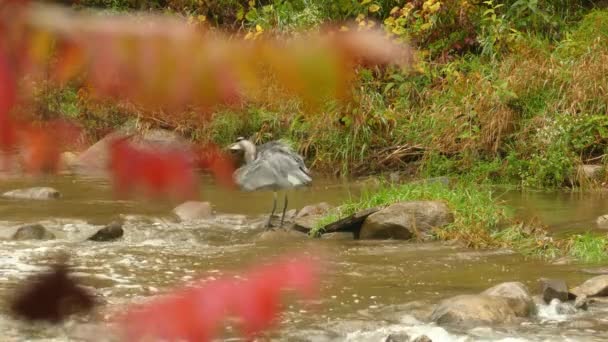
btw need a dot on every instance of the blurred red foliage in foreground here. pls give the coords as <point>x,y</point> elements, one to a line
<point>198,312</point>
<point>154,173</point>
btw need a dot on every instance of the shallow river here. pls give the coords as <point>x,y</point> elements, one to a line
<point>374,288</point>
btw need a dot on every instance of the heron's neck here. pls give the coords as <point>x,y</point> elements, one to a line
<point>249,149</point>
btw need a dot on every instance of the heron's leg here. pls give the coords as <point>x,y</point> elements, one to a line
<point>284,208</point>
<point>274,207</point>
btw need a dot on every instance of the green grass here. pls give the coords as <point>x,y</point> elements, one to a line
<point>477,211</point>
<point>588,247</point>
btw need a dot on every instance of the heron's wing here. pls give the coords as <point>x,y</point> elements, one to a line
<point>289,166</point>
<point>257,175</point>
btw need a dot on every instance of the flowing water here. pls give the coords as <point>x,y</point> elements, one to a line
<point>372,288</point>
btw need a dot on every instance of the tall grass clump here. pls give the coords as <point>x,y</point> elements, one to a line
<point>477,210</point>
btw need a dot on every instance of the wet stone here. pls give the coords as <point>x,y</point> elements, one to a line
<point>33,232</point>
<point>422,338</point>
<point>397,338</point>
<point>193,210</point>
<point>110,232</point>
<point>553,288</point>
<point>36,193</point>
<point>594,287</point>
<point>581,302</point>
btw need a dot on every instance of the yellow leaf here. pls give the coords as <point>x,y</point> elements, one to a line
<point>365,2</point>
<point>344,28</point>
<point>202,18</point>
<point>394,10</point>
<point>251,3</point>
<point>249,35</point>
<point>259,28</point>
<point>374,8</point>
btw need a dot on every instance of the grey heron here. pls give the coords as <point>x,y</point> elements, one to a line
<point>271,166</point>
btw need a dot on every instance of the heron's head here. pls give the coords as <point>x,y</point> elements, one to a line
<point>238,145</point>
<point>246,146</point>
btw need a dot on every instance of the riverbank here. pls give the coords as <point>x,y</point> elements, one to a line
<point>529,112</point>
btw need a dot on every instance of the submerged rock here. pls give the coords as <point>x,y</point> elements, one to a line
<point>33,232</point>
<point>479,309</point>
<point>594,287</point>
<point>338,236</point>
<point>193,210</point>
<point>553,288</point>
<point>36,193</point>
<point>405,220</point>
<point>563,308</point>
<point>110,232</point>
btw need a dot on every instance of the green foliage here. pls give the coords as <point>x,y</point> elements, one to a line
<point>588,247</point>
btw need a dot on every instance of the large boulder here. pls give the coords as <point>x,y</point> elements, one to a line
<point>594,287</point>
<point>478,309</point>
<point>405,220</point>
<point>94,160</point>
<point>514,290</point>
<point>193,210</point>
<point>33,232</point>
<point>36,193</point>
<point>553,288</point>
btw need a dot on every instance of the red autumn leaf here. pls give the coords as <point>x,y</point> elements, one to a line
<point>40,151</point>
<point>221,165</point>
<point>8,136</point>
<point>154,173</point>
<point>196,314</point>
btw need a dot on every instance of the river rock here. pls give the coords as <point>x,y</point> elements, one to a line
<point>405,220</point>
<point>479,309</point>
<point>110,232</point>
<point>314,209</point>
<point>422,338</point>
<point>193,210</point>
<point>94,160</point>
<point>402,337</point>
<point>594,287</point>
<point>514,290</point>
<point>68,159</point>
<point>602,221</point>
<point>281,234</point>
<point>581,302</point>
<point>590,171</point>
<point>33,232</point>
<point>36,193</point>
<point>553,288</point>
